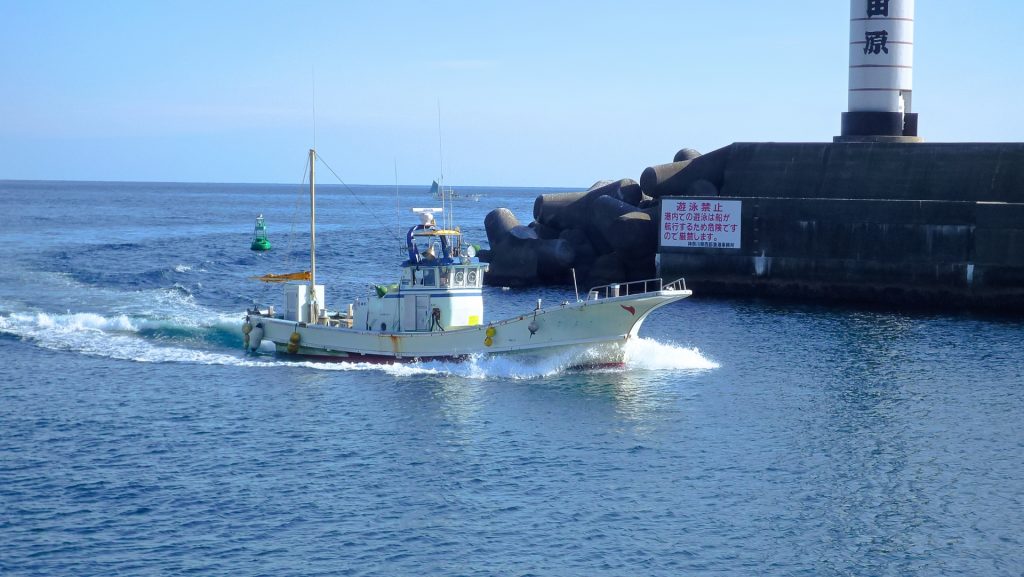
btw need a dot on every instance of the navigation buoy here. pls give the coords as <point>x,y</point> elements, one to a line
<point>260,242</point>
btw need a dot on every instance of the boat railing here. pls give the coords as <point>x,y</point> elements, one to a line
<point>634,288</point>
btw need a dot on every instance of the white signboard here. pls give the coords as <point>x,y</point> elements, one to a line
<point>701,223</point>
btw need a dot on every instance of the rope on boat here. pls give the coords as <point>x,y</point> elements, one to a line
<point>264,293</point>
<point>356,197</point>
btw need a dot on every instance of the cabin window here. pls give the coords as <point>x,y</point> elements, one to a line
<point>460,278</point>
<point>429,277</point>
<point>471,278</point>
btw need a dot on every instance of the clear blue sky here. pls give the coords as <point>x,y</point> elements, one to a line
<point>545,93</point>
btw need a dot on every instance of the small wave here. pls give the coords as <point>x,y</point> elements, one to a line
<point>182,268</point>
<point>129,246</point>
<point>117,336</point>
<point>71,322</point>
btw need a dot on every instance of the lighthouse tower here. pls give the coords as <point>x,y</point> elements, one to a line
<point>881,72</point>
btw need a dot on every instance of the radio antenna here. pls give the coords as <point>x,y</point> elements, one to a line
<point>313,71</point>
<point>440,188</point>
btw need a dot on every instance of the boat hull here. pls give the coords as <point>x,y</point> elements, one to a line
<point>588,333</point>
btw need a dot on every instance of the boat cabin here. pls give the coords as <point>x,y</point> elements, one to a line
<point>440,287</point>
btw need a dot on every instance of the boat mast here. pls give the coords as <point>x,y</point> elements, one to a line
<point>440,157</point>
<point>313,314</point>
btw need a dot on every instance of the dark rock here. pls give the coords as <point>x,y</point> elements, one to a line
<point>685,154</point>
<point>634,234</point>
<point>498,224</point>
<point>513,264</point>
<point>554,259</point>
<point>657,180</point>
<point>571,209</point>
<point>629,192</point>
<point>545,232</point>
<point>551,209</point>
<point>603,212</point>
<point>608,268</point>
<point>674,180</point>
<point>522,233</point>
<point>582,247</point>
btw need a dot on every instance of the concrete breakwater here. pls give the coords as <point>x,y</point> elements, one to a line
<point>936,224</point>
<point>605,234</point>
<point>895,223</point>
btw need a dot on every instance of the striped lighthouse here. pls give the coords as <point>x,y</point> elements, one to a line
<point>881,72</point>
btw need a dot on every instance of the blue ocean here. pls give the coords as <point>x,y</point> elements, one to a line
<point>742,437</point>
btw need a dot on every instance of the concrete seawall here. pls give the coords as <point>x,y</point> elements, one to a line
<point>924,224</point>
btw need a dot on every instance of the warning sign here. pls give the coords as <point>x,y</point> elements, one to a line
<point>696,223</point>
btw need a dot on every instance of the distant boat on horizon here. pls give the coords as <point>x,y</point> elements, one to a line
<point>449,193</point>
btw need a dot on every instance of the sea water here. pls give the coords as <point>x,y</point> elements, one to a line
<point>741,438</point>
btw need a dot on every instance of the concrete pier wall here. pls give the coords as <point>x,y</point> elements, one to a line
<point>922,224</point>
<point>895,171</point>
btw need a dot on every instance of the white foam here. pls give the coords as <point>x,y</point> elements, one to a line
<point>652,355</point>
<point>75,322</point>
<point>484,366</point>
<point>172,303</point>
<point>641,354</point>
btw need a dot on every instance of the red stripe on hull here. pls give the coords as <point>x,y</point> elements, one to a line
<point>373,359</point>
<point>387,360</point>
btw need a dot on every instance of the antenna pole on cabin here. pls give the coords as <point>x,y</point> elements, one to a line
<point>313,314</point>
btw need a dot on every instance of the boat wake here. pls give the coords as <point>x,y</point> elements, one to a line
<point>653,355</point>
<point>121,336</point>
<point>146,340</point>
<point>167,325</point>
<point>207,337</point>
<point>642,354</point>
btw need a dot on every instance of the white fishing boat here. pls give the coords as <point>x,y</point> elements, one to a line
<point>436,311</point>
